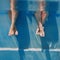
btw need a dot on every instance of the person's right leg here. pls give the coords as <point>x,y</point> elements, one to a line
<point>12,17</point>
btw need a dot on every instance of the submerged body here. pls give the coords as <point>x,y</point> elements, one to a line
<point>43,14</point>
<point>12,14</point>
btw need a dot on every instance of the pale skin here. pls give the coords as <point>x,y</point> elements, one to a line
<point>43,14</point>
<point>40,29</point>
<point>12,15</point>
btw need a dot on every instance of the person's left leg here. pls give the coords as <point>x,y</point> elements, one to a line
<point>43,14</point>
<point>40,29</point>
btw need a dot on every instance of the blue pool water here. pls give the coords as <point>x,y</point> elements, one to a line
<point>26,25</point>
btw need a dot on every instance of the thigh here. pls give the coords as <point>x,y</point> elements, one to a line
<point>12,4</point>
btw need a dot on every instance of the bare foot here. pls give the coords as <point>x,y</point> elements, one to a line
<point>16,32</point>
<point>40,31</point>
<point>13,31</point>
